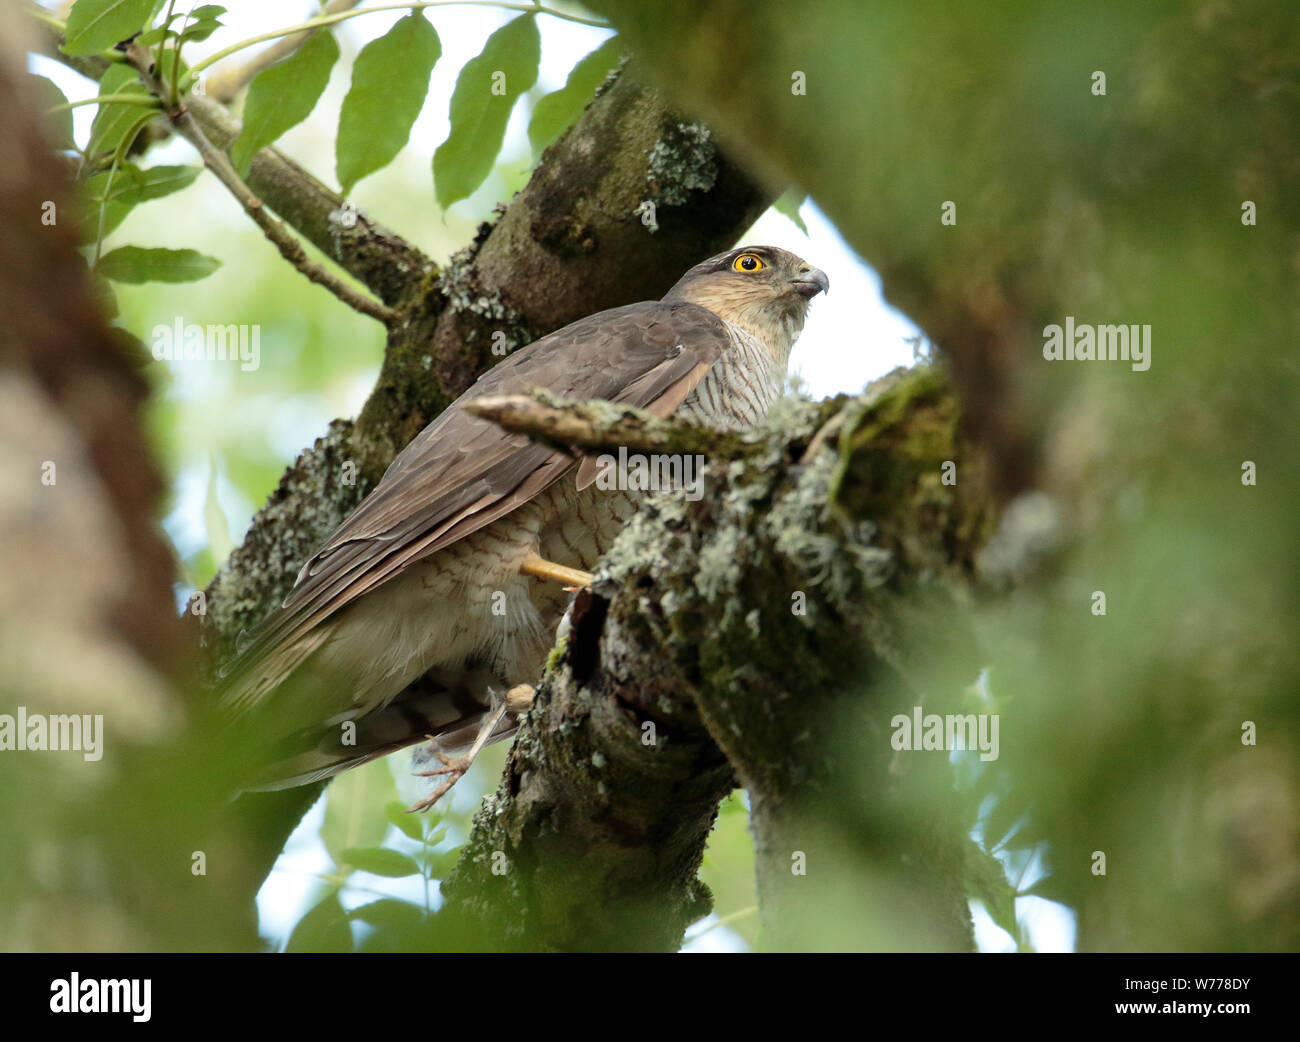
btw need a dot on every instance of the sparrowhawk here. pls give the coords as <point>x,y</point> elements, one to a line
<point>454,569</point>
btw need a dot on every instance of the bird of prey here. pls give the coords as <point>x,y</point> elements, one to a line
<point>456,569</point>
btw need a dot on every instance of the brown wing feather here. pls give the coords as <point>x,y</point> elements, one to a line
<point>462,472</point>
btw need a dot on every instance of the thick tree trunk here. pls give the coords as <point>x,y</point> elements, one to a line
<point>88,628</point>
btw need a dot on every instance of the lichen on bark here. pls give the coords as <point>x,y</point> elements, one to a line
<point>739,630</point>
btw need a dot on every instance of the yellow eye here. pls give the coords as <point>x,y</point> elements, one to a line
<point>748,262</point>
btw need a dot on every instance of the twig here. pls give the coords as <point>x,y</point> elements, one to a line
<point>600,425</point>
<point>369,252</point>
<point>288,245</point>
<point>139,100</point>
<point>726,920</point>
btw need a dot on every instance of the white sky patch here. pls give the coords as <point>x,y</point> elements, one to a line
<point>708,937</point>
<point>852,334</point>
<point>291,888</point>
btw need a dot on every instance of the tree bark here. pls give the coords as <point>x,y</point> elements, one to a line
<point>725,644</point>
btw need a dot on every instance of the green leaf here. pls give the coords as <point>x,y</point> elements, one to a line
<point>283,96</point>
<point>202,23</point>
<point>94,25</point>
<point>556,112</point>
<point>789,205</point>
<point>130,186</point>
<point>196,32</point>
<point>390,80</point>
<point>138,185</point>
<point>354,809</point>
<point>113,122</point>
<point>59,124</point>
<point>442,864</point>
<point>324,929</point>
<point>389,911</point>
<point>136,264</point>
<point>396,813</point>
<point>380,861</point>
<point>508,65</point>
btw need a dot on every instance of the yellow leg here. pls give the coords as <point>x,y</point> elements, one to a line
<point>517,700</point>
<point>540,568</point>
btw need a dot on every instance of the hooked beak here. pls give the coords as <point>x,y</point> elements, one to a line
<point>811,282</point>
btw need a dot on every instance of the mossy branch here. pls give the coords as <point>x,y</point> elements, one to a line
<point>597,426</point>
<point>688,634</point>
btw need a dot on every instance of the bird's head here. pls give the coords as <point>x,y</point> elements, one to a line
<point>763,289</point>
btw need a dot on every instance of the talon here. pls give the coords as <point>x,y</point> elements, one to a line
<point>518,699</point>
<point>437,794</point>
<point>457,766</point>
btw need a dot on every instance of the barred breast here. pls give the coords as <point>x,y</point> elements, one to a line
<point>740,387</point>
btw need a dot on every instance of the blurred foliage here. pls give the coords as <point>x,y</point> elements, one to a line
<point>1116,163</point>
<point>728,871</point>
<point>381,891</point>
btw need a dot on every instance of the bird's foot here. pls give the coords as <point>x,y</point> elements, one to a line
<point>540,568</point>
<point>455,771</point>
<point>517,700</point>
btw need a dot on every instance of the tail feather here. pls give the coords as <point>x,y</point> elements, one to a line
<point>244,685</point>
<point>440,714</point>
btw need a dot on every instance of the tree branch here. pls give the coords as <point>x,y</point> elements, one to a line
<point>685,662</point>
<point>371,253</point>
<point>215,160</point>
<point>595,426</point>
